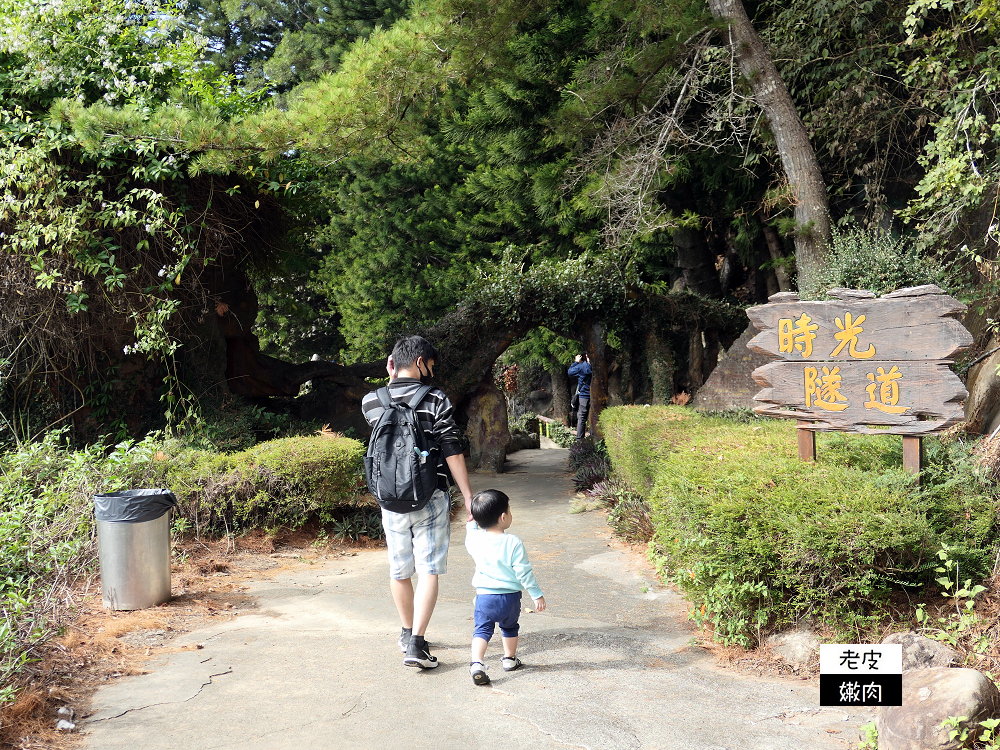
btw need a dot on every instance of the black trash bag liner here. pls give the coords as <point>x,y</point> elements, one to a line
<point>133,506</point>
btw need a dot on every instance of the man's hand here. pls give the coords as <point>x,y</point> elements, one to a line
<point>540,604</point>
<point>579,358</point>
<point>390,367</point>
<point>468,508</point>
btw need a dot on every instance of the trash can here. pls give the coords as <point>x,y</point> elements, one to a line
<point>133,542</point>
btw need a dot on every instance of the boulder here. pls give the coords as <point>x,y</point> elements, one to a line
<point>731,384</point>
<point>982,407</point>
<point>796,646</point>
<point>930,696</point>
<point>487,429</point>
<point>539,401</point>
<point>920,652</point>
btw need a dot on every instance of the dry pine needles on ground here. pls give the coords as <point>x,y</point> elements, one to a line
<point>96,645</point>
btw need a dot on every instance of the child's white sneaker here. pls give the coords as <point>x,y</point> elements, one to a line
<point>510,663</point>
<point>478,671</point>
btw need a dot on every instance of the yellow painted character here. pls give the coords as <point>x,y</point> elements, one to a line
<point>797,335</point>
<point>849,332</point>
<point>824,389</point>
<point>888,387</point>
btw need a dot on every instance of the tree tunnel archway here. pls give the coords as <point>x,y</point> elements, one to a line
<point>583,302</point>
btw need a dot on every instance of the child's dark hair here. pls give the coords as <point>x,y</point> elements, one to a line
<point>406,351</point>
<point>488,506</point>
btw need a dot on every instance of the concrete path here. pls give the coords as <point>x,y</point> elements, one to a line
<point>610,665</point>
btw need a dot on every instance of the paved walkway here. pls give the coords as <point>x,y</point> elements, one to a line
<point>610,662</point>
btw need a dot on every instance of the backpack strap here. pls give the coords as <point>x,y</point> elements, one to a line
<point>419,396</point>
<point>384,398</point>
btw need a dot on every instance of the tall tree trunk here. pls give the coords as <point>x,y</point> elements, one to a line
<point>696,360</point>
<point>560,393</point>
<point>775,250</point>
<point>812,210</point>
<point>597,351</point>
<point>696,261</point>
<point>660,366</point>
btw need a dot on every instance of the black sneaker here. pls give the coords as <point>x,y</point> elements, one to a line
<point>478,671</point>
<point>417,654</point>
<point>404,639</point>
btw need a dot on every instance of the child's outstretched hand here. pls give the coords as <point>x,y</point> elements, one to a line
<point>540,604</point>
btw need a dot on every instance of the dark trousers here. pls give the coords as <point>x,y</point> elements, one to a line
<point>581,417</point>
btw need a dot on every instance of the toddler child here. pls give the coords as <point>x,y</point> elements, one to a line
<point>502,572</point>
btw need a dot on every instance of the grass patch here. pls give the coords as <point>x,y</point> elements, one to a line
<point>758,539</point>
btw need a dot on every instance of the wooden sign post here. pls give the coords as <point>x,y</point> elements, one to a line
<point>861,363</point>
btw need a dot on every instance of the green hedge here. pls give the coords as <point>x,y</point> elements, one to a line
<point>757,538</point>
<point>277,483</point>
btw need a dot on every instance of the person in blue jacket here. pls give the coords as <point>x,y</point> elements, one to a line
<point>580,369</point>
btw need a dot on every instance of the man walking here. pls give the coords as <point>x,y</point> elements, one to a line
<point>418,542</point>
<point>581,370</point>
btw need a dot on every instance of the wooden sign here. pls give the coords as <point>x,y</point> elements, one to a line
<point>860,363</point>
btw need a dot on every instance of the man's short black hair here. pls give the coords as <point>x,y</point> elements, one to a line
<point>406,351</point>
<point>488,506</point>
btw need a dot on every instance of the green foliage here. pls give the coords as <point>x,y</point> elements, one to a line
<point>841,64</point>
<point>396,258</point>
<point>559,291</point>
<point>956,625</point>
<point>46,535</point>
<point>870,741</point>
<point>527,422</point>
<point>281,482</point>
<point>989,737</point>
<point>560,434</point>
<point>956,57</point>
<point>231,424</point>
<point>873,260</point>
<point>118,51</point>
<point>276,44</point>
<point>46,516</point>
<point>102,248</point>
<point>543,347</point>
<point>756,538</point>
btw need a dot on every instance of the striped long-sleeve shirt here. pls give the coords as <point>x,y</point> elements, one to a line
<point>436,415</point>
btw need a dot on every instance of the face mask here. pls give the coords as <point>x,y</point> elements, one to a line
<point>425,377</point>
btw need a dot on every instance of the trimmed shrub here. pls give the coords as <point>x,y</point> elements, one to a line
<point>638,437</point>
<point>757,539</point>
<point>277,483</point>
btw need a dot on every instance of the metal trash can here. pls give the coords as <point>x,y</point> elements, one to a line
<point>133,541</point>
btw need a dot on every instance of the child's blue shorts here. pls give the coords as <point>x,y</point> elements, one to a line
<point>497,609</point>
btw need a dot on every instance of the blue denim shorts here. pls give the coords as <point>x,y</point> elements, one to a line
<point>497,609</point>
<point>418,542</point>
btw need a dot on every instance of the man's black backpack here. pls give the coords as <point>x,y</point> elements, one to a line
<point>401,463</point>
